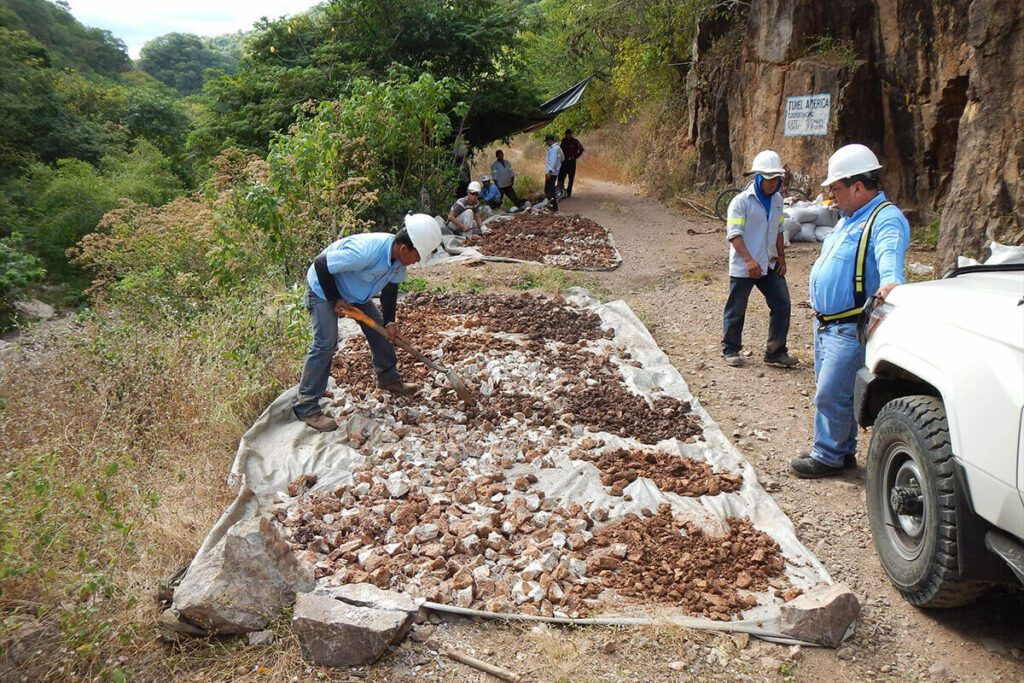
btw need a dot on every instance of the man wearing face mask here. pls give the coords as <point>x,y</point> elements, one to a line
<point>862,256</point>
<point>757,258</point>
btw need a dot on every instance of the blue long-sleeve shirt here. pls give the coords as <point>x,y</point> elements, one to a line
<point>491,193</point>
<point>831,281</point>
<point>361,266</point>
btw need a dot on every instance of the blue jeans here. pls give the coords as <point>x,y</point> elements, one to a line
<point>776,295</point>
<point>837,357</point>
<point>317,368</point>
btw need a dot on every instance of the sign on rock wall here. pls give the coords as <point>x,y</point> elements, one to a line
<point>807,115</point>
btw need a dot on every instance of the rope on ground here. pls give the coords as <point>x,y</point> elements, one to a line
<point>685,622</point>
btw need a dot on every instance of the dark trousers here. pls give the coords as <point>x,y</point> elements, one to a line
<point>549,191</point>
<point>510,192</point>
<point>776,295</point>
<point>568,169</point>
<point>462,189</point>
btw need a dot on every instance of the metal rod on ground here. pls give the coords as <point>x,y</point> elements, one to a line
<point>622,621</point>
<point>496,671</point>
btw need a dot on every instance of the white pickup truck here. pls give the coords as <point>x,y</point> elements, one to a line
<point>943,388</point>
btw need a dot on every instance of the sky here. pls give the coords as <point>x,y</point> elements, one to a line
<point>140,21</point>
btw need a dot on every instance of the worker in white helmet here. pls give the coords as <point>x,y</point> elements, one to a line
<point>757,258</point>
<point>862,256</point>
<point>350,272</point>
<point>464,216</point>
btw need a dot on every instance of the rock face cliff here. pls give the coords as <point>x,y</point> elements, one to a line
<point>935,87</point>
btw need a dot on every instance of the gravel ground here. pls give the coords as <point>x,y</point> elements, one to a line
<point>676,281</point>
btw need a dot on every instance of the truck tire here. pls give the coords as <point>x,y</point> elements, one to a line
<point>912,503</point>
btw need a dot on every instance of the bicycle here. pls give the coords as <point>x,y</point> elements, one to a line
<point>725,196</point>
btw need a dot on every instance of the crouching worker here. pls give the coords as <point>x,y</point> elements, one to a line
<point>350,272</point>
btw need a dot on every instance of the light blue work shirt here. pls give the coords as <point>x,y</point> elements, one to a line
<point>491,193</point>
<point>758,227</point>
<point>361,266</point>
<point>831,281</point>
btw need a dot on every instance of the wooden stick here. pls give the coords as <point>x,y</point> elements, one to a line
<point>496,671</point>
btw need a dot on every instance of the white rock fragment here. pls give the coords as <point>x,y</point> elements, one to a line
<point>558,540</point>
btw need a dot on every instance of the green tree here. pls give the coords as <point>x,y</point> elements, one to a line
<point>314,56</point>
<point>71,44</point>
<point>180,60</point>
<point>18,268</point>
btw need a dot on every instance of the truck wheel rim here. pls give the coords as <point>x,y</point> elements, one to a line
<point>903,477</point>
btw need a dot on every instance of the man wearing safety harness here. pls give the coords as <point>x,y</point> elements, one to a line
<point>862,256</point>
<point>757,258</point>
<point>350,272</point>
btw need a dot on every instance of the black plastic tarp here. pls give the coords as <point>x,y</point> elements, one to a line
<point>482,129</point>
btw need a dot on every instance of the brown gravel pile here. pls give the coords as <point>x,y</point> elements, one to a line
<point>470,543</point>
<point>661,558</point>
<point>670,472</point>
<point>547,318</point>
<point>450,504</point>
<point>567,241</point>
<point>463,327</point>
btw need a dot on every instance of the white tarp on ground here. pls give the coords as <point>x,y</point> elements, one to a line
<point>453,251</point>
<point>277,449</point>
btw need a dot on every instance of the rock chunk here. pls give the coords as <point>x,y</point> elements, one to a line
<point>335,633</point>
<point>822,615</point>
<point>243,581</point>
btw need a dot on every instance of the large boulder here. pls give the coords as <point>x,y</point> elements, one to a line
<point>821,615</point>
<point>351,625</point>
<point>244,580</point>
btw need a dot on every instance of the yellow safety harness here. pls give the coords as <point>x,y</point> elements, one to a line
<point>859,295</point>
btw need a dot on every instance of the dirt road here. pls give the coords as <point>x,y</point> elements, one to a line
<point>674,277</point>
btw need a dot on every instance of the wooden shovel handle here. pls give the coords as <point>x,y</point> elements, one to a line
<point>359,316</point>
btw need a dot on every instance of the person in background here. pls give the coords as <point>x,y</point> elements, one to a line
<point>464,216</point>
<point>349,273</point>
<point>757,258</point>
<point>863,255</point>
<point>489,193</point>
<point>552,165</point>
<point>573,150</point>
<point>505,178</point>
<point>464,176</point>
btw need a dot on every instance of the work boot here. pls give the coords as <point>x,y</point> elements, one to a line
<point>735,361</point>
<point>320,422</point>
<point>401,388</point>
<point>806,467</point>
<point>849,460</point>
<point>783,361</point>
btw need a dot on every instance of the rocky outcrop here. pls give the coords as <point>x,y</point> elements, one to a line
<point>933,86</point>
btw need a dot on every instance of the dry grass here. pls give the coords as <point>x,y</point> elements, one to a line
<point>116,441</point>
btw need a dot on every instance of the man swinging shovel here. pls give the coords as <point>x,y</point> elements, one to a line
<point>345,276</point>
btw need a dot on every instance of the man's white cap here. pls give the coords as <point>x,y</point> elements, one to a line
<point>424,232</point>
<point>768,164</point>
<point>475,187</point>
<point>486,179</point>
<point>849,161</point>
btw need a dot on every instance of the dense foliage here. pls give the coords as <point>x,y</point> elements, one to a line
<point>315,57</point>
<point>179,60</point>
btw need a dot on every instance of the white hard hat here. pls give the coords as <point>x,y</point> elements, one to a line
<point>849,161</point>
<point>475,187</point>
<point>486,179</point>
<point>424,232</point>
<point>768,164</point>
